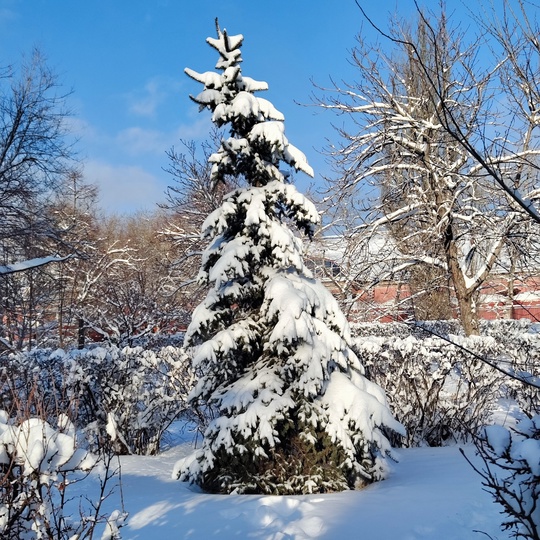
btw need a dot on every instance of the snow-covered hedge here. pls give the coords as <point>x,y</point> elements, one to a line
<point>123,399</point>
<point>400,330</point>
<point>440,392</point>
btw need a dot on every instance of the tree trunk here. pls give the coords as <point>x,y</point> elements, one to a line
<point>467,314</point>
<point>464,296</point>
<point>510,289</point>
<point>80,337</point>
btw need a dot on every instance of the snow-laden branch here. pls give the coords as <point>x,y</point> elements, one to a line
<point>392,217</point>
<point>29,264</point>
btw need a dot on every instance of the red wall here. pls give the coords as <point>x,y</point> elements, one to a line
<point>386,301</point>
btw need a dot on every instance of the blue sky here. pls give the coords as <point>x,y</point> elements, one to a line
<point>124,61</point>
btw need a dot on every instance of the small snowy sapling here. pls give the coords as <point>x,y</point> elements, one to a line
<point>510,471</point>
<point>291,409</point>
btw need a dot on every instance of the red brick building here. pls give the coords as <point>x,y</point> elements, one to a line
<point>503,296</point>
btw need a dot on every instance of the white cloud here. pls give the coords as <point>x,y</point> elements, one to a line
<point>137,140</point>
<point>80,129</point>
<point>199,129</point>
<point>7,16</point>
<point>124,189</point>
<point>145,102</point>
<point>127,166</point>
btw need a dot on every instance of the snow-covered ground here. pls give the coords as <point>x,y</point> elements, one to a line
<point>432,493</point>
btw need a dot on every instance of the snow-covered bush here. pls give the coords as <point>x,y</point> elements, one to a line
<point>436,390</point>
<point>511,473</point>
<point>506,327</point>
<point>128,396</point>
<point>31,384</point>
<point>519,354</point>
<point>293,411</point>
<point>124,399</point>
<point>403,330</point>
<point>443,392</point>
<point>38,463</point>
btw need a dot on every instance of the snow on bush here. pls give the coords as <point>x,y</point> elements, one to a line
<point>293,412</point>
<point>123,399</point>
<point>440,392</point>
<point>131,394</point>
<point>511,473</point>
<point>38,462</point>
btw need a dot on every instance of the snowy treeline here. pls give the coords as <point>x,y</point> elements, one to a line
<point>65,268</point>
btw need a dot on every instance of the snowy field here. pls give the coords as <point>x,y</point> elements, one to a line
<point>432,494</point>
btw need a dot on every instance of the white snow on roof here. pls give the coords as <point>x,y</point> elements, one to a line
<point>528,296</point>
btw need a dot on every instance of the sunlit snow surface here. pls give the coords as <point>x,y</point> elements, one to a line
<point>432,493</point>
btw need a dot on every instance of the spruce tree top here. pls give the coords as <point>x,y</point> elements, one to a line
<point>257,141</point>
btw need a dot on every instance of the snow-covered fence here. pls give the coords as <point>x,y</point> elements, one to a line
<point>123,399</point>
<point>439,391</point>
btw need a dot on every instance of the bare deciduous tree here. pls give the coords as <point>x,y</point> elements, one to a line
<point>35,152</point>
<point>190,199</point>
<point>406,178</point>
<point>36,155</point>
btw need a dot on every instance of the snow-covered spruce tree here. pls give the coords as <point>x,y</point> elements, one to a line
<point>292,411</point>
